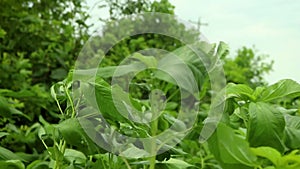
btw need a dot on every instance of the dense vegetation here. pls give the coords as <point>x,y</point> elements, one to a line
<point>47,105</point>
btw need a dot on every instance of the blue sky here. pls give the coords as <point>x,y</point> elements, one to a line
<point>272,26</point>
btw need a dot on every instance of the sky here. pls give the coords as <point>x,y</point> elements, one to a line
<point>272,26</point>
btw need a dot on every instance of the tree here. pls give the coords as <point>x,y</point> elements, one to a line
<point>48,34</point>
<point>39,42</point>
<point>247,67</point>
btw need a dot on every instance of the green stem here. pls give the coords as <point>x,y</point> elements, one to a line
<point>152,162</point>
<point>111,163</point>
<point>154,125</point>
<point>58,105</point>
<point>71,102</point>
<point>62,149</point>
<point>153,144</point>
<point>126,162</point>
<point>169,98</point>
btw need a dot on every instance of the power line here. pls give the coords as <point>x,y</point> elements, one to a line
<point>199,23</point>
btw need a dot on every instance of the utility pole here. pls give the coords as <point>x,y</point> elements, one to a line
<point>199,23</point>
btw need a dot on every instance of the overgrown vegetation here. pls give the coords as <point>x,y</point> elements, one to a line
<point>45,112</point>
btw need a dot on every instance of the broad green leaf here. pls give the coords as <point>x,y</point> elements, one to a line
<point>2,134</point>
<point>177,124</point>
<point>292,132</point>
<point>287,111</point>
<point>120,70</point>
<point>267,152</point>
<point>239,113</point>
<point>57,92</point>
<point>74,156</point>
<point>240,91</point>
<point>126,106</point>
<point>229,106</point>
<point>121,108</point>
<point>177,163</point>
<point>38,164</point>
<point>208,48</point>
<point>28,157</point>
<point>197,54</point>
<point>134,152</point>
<point>258,90</point>
<point>12,164</point>
<point>222,50</point>
<point>6,154</point>
<point>41,133</point>
<point>266,126</point>
<point>231,150</point>
<point>157,102</point>
<point>99,95</point>
<point>47,131</point>
<point>73,133</point>
<point>290,161</point>
<point>186,67</point>
<point>199,76</point>
<point>174,70</point>
<point>55,154</point>
<point>281,89</point>
<point>171,105</point>
<point>109,71</point>
<point>149,61</point>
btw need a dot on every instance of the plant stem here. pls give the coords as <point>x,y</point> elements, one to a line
<point>71,101</point>
<point>126,162</point>
<point>58,105</point>
<point>152,162</point>
<point>154,102</point>
<point>63,147</point>
<point>109,160</point>
<point>170,97</point>
<point>153,144</point>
